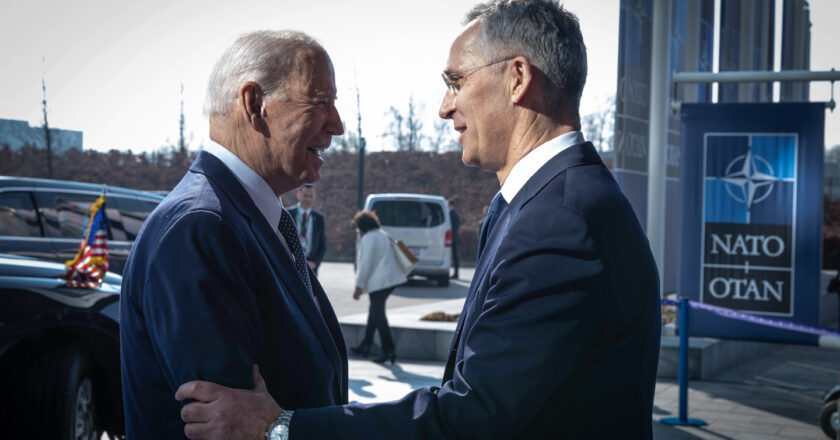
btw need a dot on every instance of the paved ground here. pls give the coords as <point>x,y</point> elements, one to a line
<point>774,396</point>
<point>338,281</point>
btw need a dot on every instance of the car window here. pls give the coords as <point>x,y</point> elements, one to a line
<point>66,215</point>
<point>407,213</point>
<point>133,213</point>
<point>18,217</point>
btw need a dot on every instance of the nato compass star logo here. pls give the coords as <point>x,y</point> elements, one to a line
<point>749,179</point>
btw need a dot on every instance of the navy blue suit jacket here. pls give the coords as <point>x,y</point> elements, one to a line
<point>209,291</point>
<point>559,335</point>
<point>318,246</point>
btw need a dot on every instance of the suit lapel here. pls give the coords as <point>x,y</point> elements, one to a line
<point>278,258</point>
<point>338,339</point>
<point>580,154</point>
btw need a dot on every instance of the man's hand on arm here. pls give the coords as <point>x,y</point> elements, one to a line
<point>312,265</point>
<point>220,412</point>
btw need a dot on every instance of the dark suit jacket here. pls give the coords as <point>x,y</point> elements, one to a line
<point>559,336</point>
<point>319,242</point>
<point>455,223</point>
<point>208,291</point>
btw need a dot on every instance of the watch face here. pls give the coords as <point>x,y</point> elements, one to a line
<point>280,432</point>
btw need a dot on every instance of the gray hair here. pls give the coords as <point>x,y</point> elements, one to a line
<point>543,32</point>
<point>264,57</point>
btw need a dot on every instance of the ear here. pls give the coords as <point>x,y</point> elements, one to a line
<point>252,106</point>
<point>521,79</point>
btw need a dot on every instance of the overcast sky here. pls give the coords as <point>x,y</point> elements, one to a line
<point>113,68</point>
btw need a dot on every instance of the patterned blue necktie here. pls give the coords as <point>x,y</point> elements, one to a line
<point>289,231</point>
<point>497,207</point>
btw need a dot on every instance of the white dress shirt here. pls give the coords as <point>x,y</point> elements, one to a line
<point>261,194</point>
<point>536,159</point>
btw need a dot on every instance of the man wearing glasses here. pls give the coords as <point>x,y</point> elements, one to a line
<point>561,324</point>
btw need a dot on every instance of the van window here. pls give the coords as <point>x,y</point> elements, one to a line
<point>408,213</point>
<point>133,213</point>
<point>17,215</point>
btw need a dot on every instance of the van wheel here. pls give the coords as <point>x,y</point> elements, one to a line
<point>443,281</point>
<point>830,418</point>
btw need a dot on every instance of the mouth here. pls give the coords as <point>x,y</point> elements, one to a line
<point>317,151</point>
<point>461,129</point>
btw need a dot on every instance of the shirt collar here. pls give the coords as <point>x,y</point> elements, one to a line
<point>534,160</point>
<point>303,211</point>
<point>261,194</point>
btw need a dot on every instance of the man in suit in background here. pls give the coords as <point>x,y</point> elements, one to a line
<point>561,324</point>
<point>310,226</point>
<point>217,280</point>
<point>455,224</point>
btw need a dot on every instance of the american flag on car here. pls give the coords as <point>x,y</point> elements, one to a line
<point>87,270</point>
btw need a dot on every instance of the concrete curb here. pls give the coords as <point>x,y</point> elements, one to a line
<point>430,341</point>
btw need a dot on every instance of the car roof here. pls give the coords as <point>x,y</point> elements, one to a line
<point>8,181</point>
<point>407,196</point>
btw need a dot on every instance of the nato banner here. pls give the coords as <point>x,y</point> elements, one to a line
<point>751,201</point>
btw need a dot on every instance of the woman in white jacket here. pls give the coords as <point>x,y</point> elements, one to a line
<point>377,273</point>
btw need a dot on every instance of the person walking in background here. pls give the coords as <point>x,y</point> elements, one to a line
<point>378,274</point>
<point>310,226</point>
<point>455,224</point>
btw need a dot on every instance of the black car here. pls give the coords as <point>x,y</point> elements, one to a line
<point>59,354</point>
<point>46,219</point>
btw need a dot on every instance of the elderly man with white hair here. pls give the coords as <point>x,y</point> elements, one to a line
<point>217,281</point>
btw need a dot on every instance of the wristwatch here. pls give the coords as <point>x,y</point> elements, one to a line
<point>279,430</point>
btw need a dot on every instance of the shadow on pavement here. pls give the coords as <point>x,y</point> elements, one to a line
<point>661,431</point>
<point>358,386</point>
<point>412,379</point>
<point>421,288</point>
<point>781,389</point>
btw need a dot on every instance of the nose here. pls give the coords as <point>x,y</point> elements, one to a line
<point>447,107</point>
<point>334,126</point>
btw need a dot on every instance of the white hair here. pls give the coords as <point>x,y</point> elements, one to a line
<point>264,57</point>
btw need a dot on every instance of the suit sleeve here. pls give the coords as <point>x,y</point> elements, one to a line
<point>317,254</point>
<point>200,304</point>
<point>532,332</point>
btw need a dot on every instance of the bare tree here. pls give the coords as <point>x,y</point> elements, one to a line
<point>599,126</point>
<point>347,142</point>
<point>46,126</point>
<point>182,143</point>
<point>443,139</point>
<point>406,130</point>
<point>414,126</point>
<point>395,128</point>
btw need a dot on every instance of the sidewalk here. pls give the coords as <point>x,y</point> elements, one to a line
<point>774,396</point>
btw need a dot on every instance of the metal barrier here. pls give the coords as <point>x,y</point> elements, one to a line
<point>828,338</point>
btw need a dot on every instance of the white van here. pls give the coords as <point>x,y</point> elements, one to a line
<point>422,223</point>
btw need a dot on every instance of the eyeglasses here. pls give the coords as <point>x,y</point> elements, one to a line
<point>451,79</point>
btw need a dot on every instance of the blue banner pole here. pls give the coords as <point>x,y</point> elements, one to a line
<point>684,327</point>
